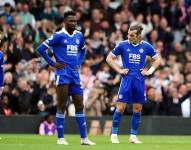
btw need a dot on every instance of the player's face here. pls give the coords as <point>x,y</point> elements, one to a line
<point>71,22</point>
<point>132,36</point>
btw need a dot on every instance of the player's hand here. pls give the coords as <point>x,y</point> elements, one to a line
<point>124,71</point>
<point>145,72</point>
<point>59,65</point>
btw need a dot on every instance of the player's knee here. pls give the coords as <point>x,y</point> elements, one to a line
<point>61,107</point>
<point>79,108</point>
<point>120,108</point>
<point>137,108</point>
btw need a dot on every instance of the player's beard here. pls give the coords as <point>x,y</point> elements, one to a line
<point>138,40</point>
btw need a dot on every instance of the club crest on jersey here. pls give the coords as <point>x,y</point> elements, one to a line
<point>77,41</point>
<point>141,50</point>
<point>65,41</point>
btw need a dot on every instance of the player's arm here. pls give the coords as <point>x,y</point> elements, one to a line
<point>83,51</point>
<point>1,74</point>
<point>42,50</point>
<point>155,64</point>
<point>82,54</point>
<point>155,61</point>
<point>111,61</point>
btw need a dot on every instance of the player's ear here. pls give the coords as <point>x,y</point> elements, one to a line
<point>139,36</point>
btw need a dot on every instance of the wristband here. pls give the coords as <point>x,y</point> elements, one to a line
<point>151,70</point>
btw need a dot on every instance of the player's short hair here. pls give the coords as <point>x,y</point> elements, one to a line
<point>136,27</point>
<point>69,13</point>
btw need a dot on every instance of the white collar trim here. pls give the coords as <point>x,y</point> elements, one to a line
<point>135,44</point>
<point>66,32</point>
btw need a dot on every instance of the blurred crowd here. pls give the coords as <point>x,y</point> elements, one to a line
<point>29,82</point>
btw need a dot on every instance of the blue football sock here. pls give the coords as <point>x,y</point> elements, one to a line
<point>60,124</point>
<point>115,122</point>
<point>136,119</point>
<point>81,121</point>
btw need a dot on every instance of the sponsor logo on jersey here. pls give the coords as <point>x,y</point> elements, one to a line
<point>134,58</point>
<point>72,50</point>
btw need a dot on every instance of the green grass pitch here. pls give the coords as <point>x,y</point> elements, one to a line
<point>36,142</point>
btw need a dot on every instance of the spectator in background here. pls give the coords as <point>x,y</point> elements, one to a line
<point>24,96</point>
<point>96,16</point>
<point>173,98</point>
<point>7,14</point>
<point>48,11</point>
<point>165,34</point>
<point>48,127</point>
<point>5,108</point>
<point>95,104</point>
<point>88,80</point>
<point>107,10</point>
<point>117,22</point>
<point>147,27</point>
<point>153,105</point>
<point>25,16</point>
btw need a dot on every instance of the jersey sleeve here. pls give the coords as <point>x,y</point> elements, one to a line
<point>117,50</point>
<point>54,39</point>
<point>82,44</point>
<point>82,52</point>
<point>151,51</point>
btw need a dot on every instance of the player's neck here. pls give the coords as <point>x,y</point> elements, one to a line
<point>135,43</point>
<point>69,31</point>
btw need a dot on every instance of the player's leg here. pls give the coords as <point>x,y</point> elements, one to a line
<point>136,119</point>
<point>120,108</point>
<point>124,97</point>
<point>138,100</point>
<point>77,96</point>
<point>62,95</point>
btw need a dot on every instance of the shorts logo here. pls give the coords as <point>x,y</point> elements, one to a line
<point>120,96</point>
<point>77,41</point>
<point>141,50</point>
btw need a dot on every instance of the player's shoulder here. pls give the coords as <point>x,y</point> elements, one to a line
<point>59,33</point>
<point>78,32</point>
<point>122,43</point>
<point>146,43</point>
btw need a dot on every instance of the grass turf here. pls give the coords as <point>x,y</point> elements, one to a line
<point>36,142</point>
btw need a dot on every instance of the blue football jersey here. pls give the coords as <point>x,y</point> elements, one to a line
<point>133,56</point>
<point>66,48</point>
<point>1,69</point>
